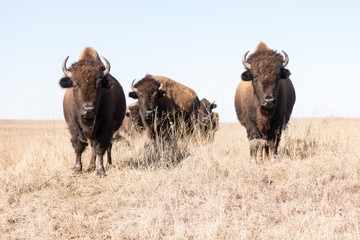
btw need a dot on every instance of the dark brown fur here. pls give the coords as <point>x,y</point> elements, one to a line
<point>87,87</point>
<point>264,121</point>
<point>132,120</point>
<point>208,120</point>
<point>173,101</point>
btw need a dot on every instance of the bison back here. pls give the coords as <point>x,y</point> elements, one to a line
<point>177,96</point>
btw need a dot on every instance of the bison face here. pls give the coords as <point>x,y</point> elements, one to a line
<point>215,120</point>
<point>265,69</point>
<point>266,89</point>
<point>134,111</point>
<point>134,114</point>
<point>87,78</point>
<point>147,91</point>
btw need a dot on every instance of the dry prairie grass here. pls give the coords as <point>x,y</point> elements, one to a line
<point>200,190</point>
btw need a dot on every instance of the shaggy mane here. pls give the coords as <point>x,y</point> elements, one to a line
<point>86,72</point>
<point>89,53</point>
<point>147,81</point>
<point>261,46</point>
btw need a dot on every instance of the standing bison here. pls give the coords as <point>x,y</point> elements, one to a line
<point>162,102</point>
<point>264,100</point>
<point>94,107</point>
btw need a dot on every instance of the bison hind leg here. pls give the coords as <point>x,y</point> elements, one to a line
<point>109,154</point>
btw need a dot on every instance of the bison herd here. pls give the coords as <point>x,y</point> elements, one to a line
<point>95,108</point>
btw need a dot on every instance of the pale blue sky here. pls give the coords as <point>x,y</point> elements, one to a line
<point>197,43</point>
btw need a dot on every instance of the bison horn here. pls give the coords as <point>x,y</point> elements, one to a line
<point>161,85</point>
<point>160,82</point>
<point>66,72</point>
<point>246,64</point>
<point>107,69</point>
<point>286,59</point>
<point>132,86</point>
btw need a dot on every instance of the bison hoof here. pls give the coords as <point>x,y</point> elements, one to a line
<point>90,169</point>
<point>77,169</point>
<point>273,159</point>
<point>100,174</point>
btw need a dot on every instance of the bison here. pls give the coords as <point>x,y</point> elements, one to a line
<point>162,102</point>
<point>132,120</point>
<point>264,100</point>
<point>208,120</point>
<point>94,107</point>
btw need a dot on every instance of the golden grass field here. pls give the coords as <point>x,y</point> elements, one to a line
<point>198,190</point>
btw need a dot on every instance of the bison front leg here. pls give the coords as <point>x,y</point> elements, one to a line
<point>79,149</point>
<point>257,147</point>
<point>272,151</point>
<point>91,167</point>
<point>274,144</point>
<point>100,150</point>
<point>254,149</point>
<point>100,170</point>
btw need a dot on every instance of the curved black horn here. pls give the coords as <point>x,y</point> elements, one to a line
<point>246,64</point>
<point>286,61</point>
<point>64,69</point>
<point>132,86</point>
<point>107,69</point>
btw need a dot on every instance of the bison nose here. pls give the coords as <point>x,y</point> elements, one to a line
<point>148,115</point>
<point>88,109</point>
<point>269,100</point>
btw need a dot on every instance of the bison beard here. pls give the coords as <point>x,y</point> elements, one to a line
<point>264,100</point>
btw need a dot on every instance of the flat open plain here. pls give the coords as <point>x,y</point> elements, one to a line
<point>197,189</point>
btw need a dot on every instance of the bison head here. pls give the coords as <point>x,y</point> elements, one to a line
<point>205,111</point>
<point>215,120</point>
<point>265,68</point>
<point>147,91</point>
<point>86,77</point>
<point>134,115</point>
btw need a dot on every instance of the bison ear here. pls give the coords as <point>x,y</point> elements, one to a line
<point>213,105</point>
<point>105,83</point>
<point>133,95</point>
<point>247,76</point>
<point>284,73</point>
<point>161,94</point>
<point>66,82</point>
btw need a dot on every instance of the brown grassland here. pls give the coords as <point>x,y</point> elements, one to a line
<point>196,190</point>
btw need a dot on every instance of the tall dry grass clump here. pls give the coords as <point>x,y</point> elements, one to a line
<point>193,188</point>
